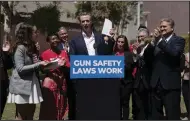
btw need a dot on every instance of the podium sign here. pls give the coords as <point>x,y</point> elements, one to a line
<point>96,66</point>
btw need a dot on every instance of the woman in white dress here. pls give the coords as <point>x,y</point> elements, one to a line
<point>24,88</point>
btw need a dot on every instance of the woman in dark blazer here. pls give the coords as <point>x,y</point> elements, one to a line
<point>122,49</point>
<point>5,64</point>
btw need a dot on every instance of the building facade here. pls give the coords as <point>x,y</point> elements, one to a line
<point>178,11</point>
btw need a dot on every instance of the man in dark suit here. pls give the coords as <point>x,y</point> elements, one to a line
<point>5,64</point>
<point>63,36</point>
<point>165,81</point>
<point>63,45</point>
<point>141,91</point>
<point>96,99</point>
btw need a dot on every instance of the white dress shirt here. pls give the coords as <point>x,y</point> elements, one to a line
<point>89,41</point>
<point>167,39</point>
<point>142,52</point>
<point>63,46</point>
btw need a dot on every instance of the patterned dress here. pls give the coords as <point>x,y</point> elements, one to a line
<point>54,88</point>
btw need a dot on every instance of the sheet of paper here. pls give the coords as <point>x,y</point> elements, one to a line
<point>52,65</point>
<point>107,27</point>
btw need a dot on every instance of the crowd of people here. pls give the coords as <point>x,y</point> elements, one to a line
<point>154,71</point>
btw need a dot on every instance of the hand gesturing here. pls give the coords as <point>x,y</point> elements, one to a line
<point>6,46</point>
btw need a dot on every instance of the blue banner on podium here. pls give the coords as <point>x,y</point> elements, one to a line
<point>96,66</point>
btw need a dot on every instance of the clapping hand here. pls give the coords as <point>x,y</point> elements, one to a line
<point>157,33</point>
<point>61,61</point>
<point>6,46</point>
<point>134,51</point>
<point>37,46</point>
<point>141,44</point>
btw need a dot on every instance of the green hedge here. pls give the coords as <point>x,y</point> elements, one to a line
<point>186,37</point>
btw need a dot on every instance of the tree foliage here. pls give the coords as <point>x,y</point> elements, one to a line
<point>46,18</point>
<point>119,12</point>
<point>10,14</point>
<point>186,37</point>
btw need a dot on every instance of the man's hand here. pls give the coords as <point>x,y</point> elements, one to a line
<point>61,62</point>
<point>157,33</point>
<point>156,36</point>
<point>106,38</point>
<point>37,46</point>
<point>112,32</point>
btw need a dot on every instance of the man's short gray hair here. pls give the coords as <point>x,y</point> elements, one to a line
<point>169,20</point>
<point>144,30</point>
<point>62,28</point>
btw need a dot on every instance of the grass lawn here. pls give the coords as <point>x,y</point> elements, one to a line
<point>9,112</point>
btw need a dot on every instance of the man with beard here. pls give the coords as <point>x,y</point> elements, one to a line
<point>5,64</point>
<point>165,82</point>
<point>96,99</point>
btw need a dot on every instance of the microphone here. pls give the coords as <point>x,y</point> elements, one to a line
<point>95,47</point>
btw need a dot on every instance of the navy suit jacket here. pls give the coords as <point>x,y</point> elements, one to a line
<point>166,63</point>
<point>7,64</point>
<point>93,94</point>
<point>60,46</point>
<point>78,47</point>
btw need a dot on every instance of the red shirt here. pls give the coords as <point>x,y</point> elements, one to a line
<point>50,55</point>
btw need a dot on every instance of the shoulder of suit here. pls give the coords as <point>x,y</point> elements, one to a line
<point>77,36</point>
<point>21,47</point>
<point>128,53</point>
<point>178,37</point>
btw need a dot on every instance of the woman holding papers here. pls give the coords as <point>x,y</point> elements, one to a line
<point>24,88</point>
<point>54,86</point>
<point>121,48</point>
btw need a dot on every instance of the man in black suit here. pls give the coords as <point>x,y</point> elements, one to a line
<point>96,99</point>
<point>63,36</point>
<point>142,78</point>
<point>165,81</point>
<point>63,45</point>
<point>5,64</point>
